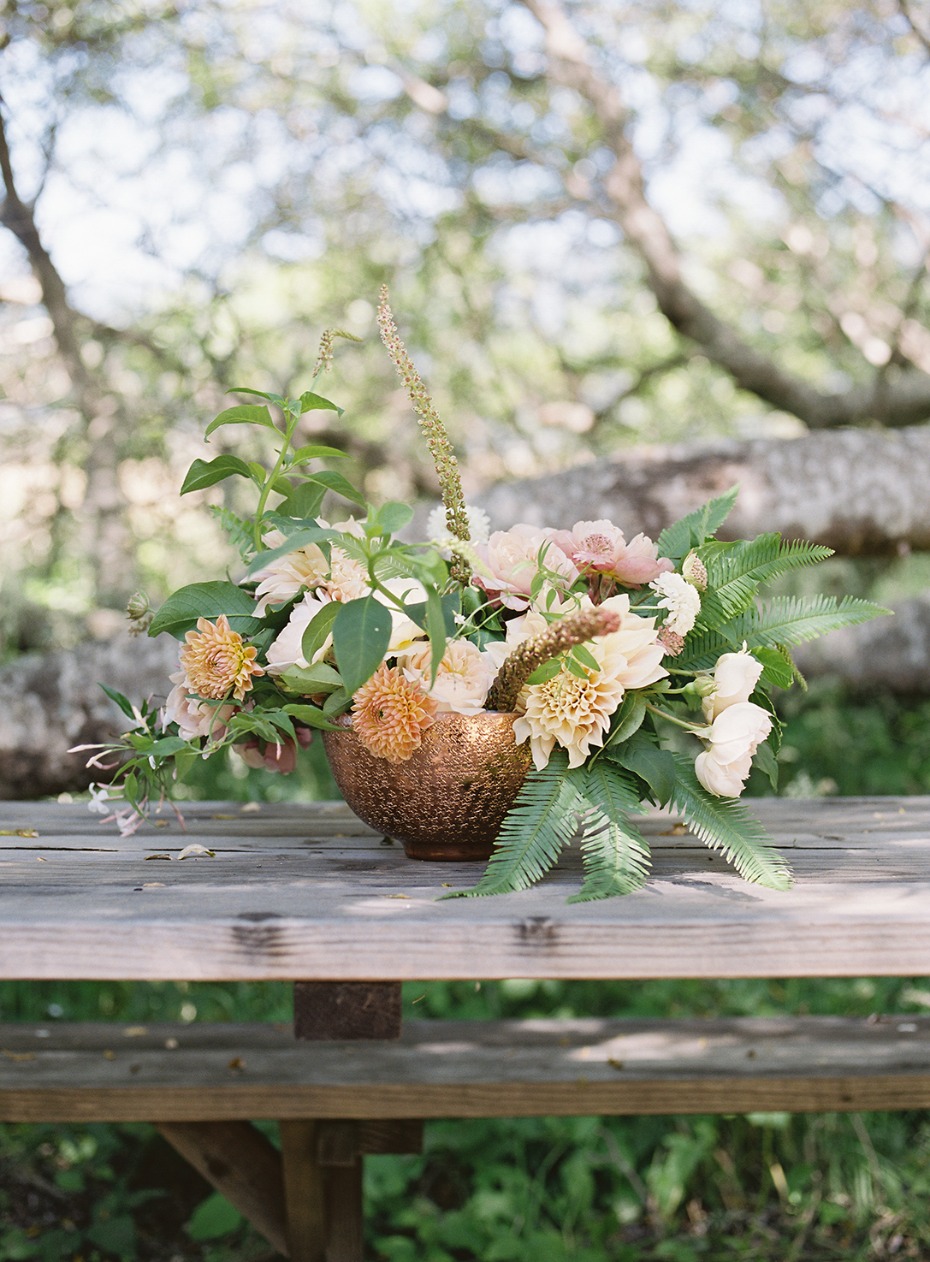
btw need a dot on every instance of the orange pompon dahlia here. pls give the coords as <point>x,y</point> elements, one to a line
<point>217,661</point>
<point>390,714</point>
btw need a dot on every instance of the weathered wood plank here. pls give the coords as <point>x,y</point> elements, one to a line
<point>467,1069</point>
<point>287,896</point>
<point>305,1193</point>
<point>242,1164</point>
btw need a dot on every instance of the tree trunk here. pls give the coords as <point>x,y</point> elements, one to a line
<point>50,702</point>
<point>861,492</point>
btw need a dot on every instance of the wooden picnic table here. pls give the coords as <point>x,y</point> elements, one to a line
<point>306,893</point>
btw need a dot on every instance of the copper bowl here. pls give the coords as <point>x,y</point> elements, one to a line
<point>448,799</point>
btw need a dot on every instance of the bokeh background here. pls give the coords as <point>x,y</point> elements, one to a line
<point>639,251</point>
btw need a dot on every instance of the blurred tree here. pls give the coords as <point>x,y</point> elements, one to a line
<point>602,224</point>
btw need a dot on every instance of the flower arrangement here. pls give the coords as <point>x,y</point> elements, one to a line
<point>638,672</point>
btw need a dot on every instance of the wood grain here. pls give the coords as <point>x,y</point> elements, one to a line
<point>307,893</point>
<point>242,1164</point>
<point>461,1069</point>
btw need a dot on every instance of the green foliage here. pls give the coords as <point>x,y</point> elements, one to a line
<point>677,540</point>
<point>535,830</point>
<point>616,855</point>
<point>180,612</point>
<point>726,824</point>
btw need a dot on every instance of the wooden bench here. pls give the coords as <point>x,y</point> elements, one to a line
<point>310,896</point>
<point>334,1102</point>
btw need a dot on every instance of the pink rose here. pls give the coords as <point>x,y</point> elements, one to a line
<point>600,547</point>
<point>511,560</point>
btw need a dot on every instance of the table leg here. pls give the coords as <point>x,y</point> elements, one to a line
<point>347,1010</point>
<point>304,1192</point>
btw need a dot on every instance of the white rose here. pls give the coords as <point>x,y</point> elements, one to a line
<point>732,739</point>
<point>286,650</point>
<point>462,681</point>
<point>735,677</point>
<point>724,780</point>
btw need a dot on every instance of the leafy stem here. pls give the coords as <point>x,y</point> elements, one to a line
<point>291,417</point>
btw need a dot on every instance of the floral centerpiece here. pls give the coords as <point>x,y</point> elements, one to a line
<point>633,672</point>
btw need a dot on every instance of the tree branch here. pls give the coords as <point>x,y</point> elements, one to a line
<point>901,398</point>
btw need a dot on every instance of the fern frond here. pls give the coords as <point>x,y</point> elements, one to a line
<point>725,824</point>
<point>764,558</point>
<point>541,822</point>
<point>616,855</point>
<point>780,623</point>
<point>238,531</point>
<point>790,620</point>
<point>736,571</point>
<point>677,540</point>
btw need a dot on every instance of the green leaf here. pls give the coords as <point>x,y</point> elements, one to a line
<point>616,855</point>
<point>339,485</point>
<point>277,399</point>
<point>541,822</point>
<point>585,658</point>
<point>180,612</point>
<point>318,629</point>
<point>337,701</point>
<point>361,636</point>
<point>302,501</point>
<point>243,414</point>
<point>308,681</point>
<point>436,631</point>
<point>653,765</point>
<point>392,517</point>
<point>725,824</point>
<point>167,746</point>
<point>627,719</point>
<point>310,716</point>
<point>778,668</point>
<point>213,1218</point>
<point>310,402</point>
<point>451,605</point>
<point>548,670</point>
<point>316,451</point>
<point>677,540</point>
<point>203,473</point>
<point>123,702</point>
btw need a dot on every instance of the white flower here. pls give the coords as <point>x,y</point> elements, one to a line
<point>731,740</point>
<point>281,579</point>
<point>99,803</point>
<point>735,677</point>
<point>479,525</point>
<point>286,650</point>
<point>682,601</point>
<point>465,674</point>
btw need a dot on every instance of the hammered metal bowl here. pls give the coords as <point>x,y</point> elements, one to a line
<point>448,799</point>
